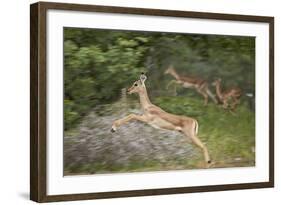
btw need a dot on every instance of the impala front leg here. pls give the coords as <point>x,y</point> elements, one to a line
<point>126,119</point>
<point>171,83</point>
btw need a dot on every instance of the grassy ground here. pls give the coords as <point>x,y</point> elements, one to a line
<point>229,137</point>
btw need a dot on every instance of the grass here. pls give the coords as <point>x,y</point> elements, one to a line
<point>229,137</point>
<point>137,166</point>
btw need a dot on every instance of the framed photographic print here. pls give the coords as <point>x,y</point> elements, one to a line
<point>134,102</point>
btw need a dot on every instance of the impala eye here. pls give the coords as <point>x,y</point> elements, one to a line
<point>136,84</point>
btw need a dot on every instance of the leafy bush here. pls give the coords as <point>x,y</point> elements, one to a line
<point>99,63</point>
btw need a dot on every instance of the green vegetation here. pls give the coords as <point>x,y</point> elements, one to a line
<point>99,63</point>
<point>228,135</point>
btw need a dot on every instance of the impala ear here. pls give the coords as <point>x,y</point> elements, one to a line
<point>143,78</point>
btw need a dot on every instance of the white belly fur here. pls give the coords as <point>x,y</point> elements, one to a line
<point>159,123</point>
<point>187,85</point>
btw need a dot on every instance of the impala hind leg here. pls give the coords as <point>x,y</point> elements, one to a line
<point>235,103</point>
<point>199,144</point>
<point>127,119</point>
<point>212,96</point>
<point>225,104</point>
<point>205,96</point>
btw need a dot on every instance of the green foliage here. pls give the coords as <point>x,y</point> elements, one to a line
<point>99,63</point>
<point>96,71</point>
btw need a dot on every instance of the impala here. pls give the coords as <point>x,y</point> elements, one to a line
<point>226,96</point>
<point>199,84</point>
<point>158,118</point>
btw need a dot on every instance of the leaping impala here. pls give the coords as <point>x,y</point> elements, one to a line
<point>158,118</point>
<point>199,84</point>
<point>226,96</point>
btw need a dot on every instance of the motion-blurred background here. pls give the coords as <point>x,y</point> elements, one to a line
<point>100,64</point>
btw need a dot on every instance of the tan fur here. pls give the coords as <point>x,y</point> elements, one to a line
<point>160,119</point>
<point>198,84</point>
<point>228,97</point>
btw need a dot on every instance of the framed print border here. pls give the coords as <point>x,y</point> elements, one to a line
<point>38,100</point>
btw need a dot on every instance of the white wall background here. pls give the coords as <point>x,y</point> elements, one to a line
<point>14,101</point>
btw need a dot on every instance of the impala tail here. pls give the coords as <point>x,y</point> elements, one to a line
<point>196,127</point>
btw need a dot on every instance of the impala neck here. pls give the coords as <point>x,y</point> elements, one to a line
<point>175,75</point>
<point>218,90</point>
<point>144,99</point>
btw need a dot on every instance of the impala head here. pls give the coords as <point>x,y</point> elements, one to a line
<point>170,70</point>
<point>138,86</point>
<point>216,82</point>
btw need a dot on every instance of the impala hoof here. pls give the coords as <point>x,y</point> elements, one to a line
<point>112,130</point>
